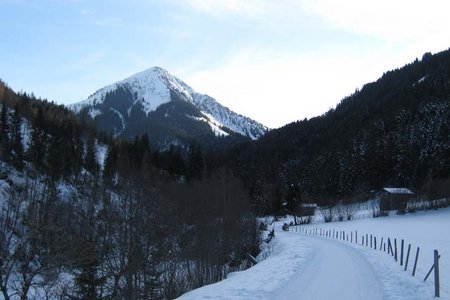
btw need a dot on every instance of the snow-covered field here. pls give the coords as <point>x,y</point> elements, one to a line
<point>427,230</point>
<point>302,266</point>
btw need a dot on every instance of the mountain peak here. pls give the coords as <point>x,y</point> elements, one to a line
<point>155,70</point>
<point>152,88</point>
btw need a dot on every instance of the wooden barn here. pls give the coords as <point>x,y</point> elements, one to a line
<point>394,198</point>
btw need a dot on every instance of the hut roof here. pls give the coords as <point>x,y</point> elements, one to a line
<point>313,205</point>
<point>398,191</point>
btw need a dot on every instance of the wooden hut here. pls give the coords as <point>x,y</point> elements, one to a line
<point>307,209</point>
<point>394,198</point>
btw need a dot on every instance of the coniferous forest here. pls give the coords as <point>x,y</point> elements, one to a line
<point>89,216</point>
<point>394,132</point>
<point>137,226</point>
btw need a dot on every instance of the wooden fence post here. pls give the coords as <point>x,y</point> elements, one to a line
<point>351,236</point>
<point>362,240</point>
<point>390,247</point>
<point>375,242</point>
<point>356,237</point>
<point>436,274</point>
<point>381,244</point>
<point>415,262</point>
<point>407,257</point>
<point>401,252</point>
<point>371,238</point>
<point>367,239</point>
<point>395,245</point>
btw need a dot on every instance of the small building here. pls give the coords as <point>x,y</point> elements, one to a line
<point>394,198</point>
<point>307,209</point>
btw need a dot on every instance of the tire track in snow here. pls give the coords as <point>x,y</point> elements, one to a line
<point>333,271</point>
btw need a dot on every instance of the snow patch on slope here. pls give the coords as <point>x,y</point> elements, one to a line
<point>118,132</point>
<point>215,126</point>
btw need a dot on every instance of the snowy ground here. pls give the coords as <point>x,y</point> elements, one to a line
<point>312,267</point>
<point>427,230</point>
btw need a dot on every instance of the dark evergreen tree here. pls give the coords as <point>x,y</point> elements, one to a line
<point>195,163</point>
<point>110,165</point>
<point>55,157</point>
<point>17,141</point>
<point>90,161</point>
<point>5,139</point>
<point>38,145</point>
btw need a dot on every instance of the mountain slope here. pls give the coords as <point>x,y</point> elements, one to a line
<point>161,105</point>
<point>70,199</point>
<point>393,132</point>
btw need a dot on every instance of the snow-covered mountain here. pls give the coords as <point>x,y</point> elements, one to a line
<point>154,98</point>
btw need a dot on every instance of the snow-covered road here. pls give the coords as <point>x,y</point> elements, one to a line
<point>312,267</point>
<point>333,271</point>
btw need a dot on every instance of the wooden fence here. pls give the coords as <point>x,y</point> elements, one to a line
<point>396,248</point>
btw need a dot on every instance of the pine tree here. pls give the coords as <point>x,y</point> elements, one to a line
<point>90,161</point>
<point>110,163</point>
<point>55,157</point>
<point>17,145</point>
<point>38,145</point>
<point>195,162</point>
<point>5,141</point>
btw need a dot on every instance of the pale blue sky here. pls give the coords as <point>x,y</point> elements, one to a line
<point>276,61</point>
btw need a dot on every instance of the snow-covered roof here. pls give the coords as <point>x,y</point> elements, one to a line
<point>314,205</point>
<point>398,191</point>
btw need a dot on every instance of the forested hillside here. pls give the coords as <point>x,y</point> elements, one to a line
<point>88,217</point>
<point>392,132</point>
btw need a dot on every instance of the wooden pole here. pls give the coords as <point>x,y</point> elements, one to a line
<point>367,239</point>
<point>375,242</point>
<point>356,237</point>
<point>415,261</point>
<point>401,252</point>
<point>381,244</point>
<point>395,245</point>
<point>363,240</point>
<point>407,256</point>
<point>351,236</point>
<point>436,274</point>
<point>371,238</point>
<point>389,246</point>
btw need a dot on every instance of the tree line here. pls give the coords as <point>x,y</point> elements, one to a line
<point>140,224</point>
<point>394,132</point>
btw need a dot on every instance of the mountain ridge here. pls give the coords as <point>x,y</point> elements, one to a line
<point>144,94</point>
